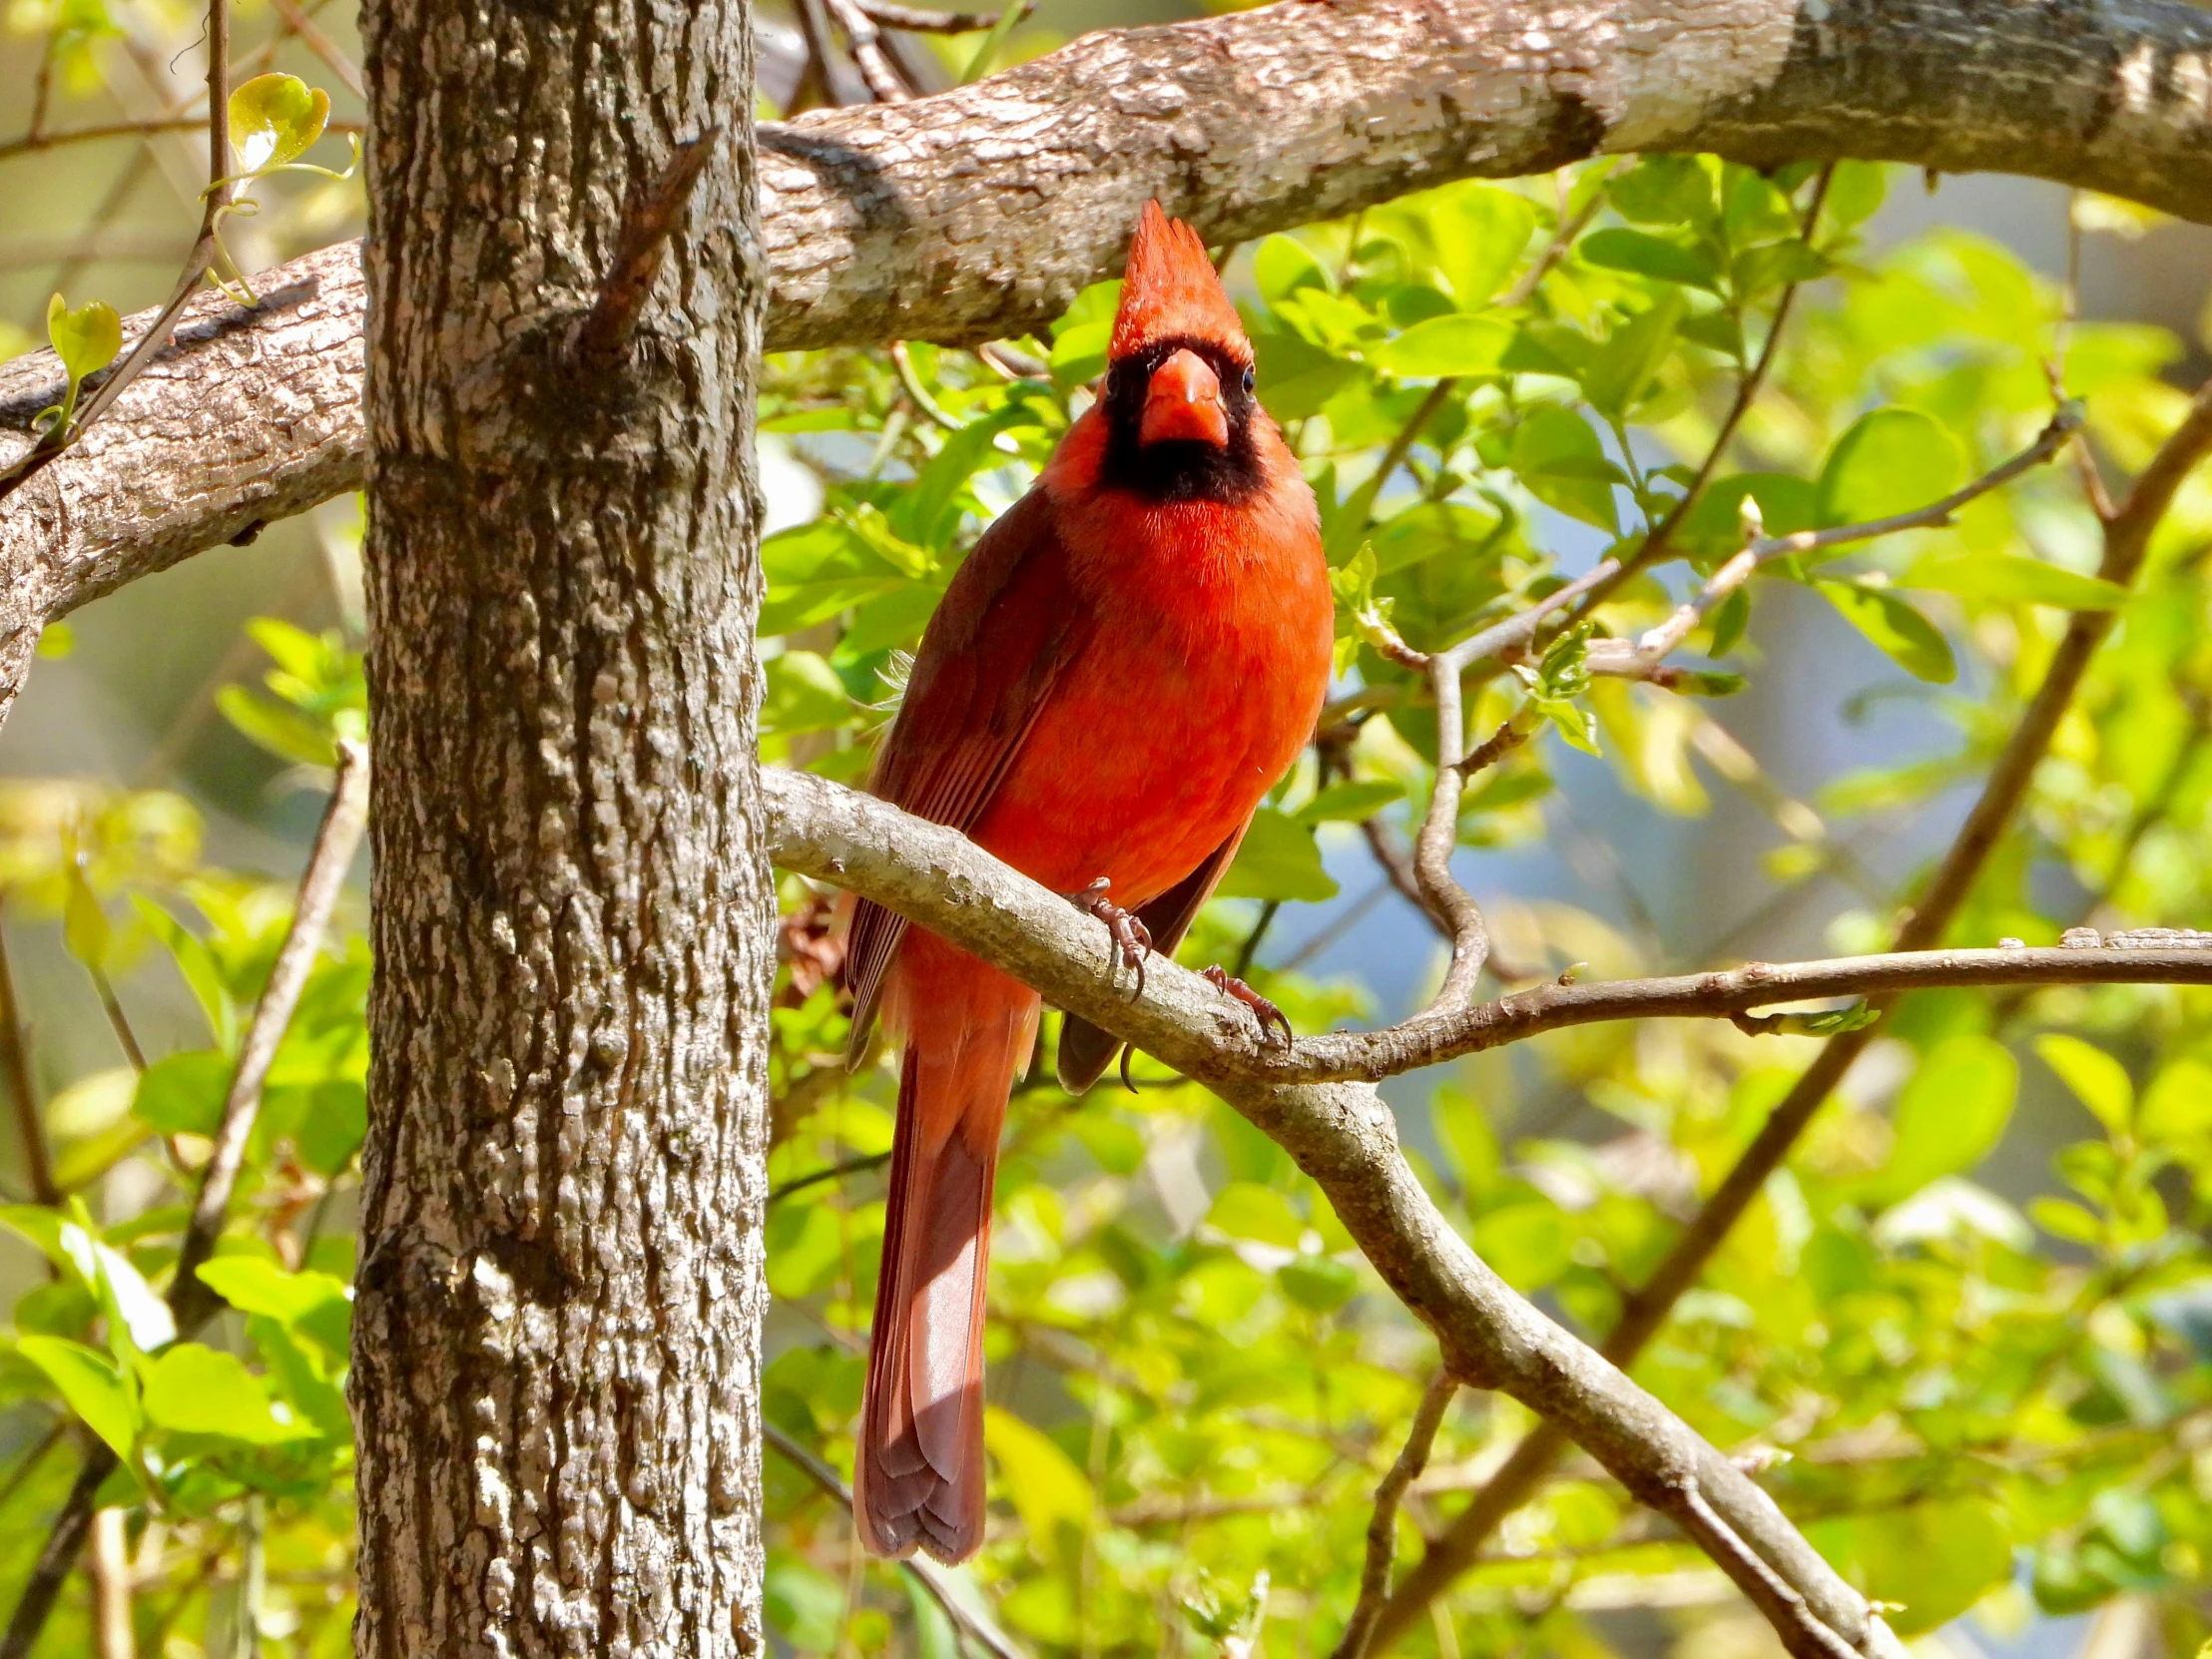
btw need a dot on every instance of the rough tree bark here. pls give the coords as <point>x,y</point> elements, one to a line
<point>979,212</point>
<point>560,1287</point>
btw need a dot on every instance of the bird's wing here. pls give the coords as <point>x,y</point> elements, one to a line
<point>1007,626</point>
<point>1085,1051</point>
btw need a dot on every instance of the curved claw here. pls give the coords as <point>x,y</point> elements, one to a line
<point>1132,940</point>
<point>1266,1012</point>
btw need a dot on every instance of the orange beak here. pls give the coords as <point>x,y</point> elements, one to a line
<point>1183,401</point>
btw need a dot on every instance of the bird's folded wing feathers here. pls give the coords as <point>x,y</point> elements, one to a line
<point>1008,628</point>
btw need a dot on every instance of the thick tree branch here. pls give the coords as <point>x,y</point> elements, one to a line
<point>980,212</point>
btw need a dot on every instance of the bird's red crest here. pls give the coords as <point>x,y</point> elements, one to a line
<point>1171,291</point>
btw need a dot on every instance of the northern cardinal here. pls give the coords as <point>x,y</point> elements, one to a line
<point>1126,663</point>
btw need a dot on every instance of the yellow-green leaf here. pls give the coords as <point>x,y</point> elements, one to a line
<point>91,1384</point>
<point>273,119</point>
<point>87,338</point>
<point>2097,1080</point>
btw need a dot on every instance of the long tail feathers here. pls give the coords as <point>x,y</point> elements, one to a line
<point>918,1475</point>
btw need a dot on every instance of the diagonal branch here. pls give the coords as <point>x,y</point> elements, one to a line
<point>1374,1577</point>
<point>980,212</point>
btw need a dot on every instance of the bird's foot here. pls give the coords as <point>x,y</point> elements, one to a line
<point>1266,1012</point>
<point>1132,940</point>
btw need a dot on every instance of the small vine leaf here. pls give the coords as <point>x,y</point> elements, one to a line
<point>273,120</point>
<point>87,338</point>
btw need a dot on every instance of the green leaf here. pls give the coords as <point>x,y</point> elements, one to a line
<point>1445,346</point>
<point>1351,802</point>
<point>87,338</point>
<point>1246,1210</point>
<point>1916,643</point>
<point>1316,1283</point>
<point>1526,1245</point>
<point>1664,190</point>
<point>196,1389</point>
<point>1729,622</point>
<point>1557,683</point>
<point>803,695</point>
<point>1716,524</point>
<point>86,933</point>
<point>1471,234</point>
<point>198,966</point>
<point>1855,192</point>
<point>1616,380</point>
<point>274,117</point>
<point>94,1388</point>
<point>1776,264</point>
<point>1480,232</point>
<point>2097,1080</point>
<point>2177,1107</point>
<point>1047,1489</point>
<point>1557,455</point>
<point>1283,265</point>
<point>1645,255</point>
<point>1278,860</point>
<point>1946,1119</point>
<point>1295,378</point>
<point>1930,1561</point>
<point>182,1094</point>
<point>2010,578</point>
<point>318,1304</point>
<point>1890,461</point>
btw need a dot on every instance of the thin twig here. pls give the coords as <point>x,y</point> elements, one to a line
<point>936,1582</point>
<point>1802,1631</point>
<point>1375,1576</point>
<point>1570,227</point>
<point>322,45</point>
<point>1748,387</point>
<point>15,1059</point>
<point>917,21</point>
<point>331,857</point>
<point>834,1172</point>
<point>118,1022</point>
<point>904,360</point>
<point>648,219</point>
<point>869,56</point>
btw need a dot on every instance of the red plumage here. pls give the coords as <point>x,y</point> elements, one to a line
<point>1129,660</point>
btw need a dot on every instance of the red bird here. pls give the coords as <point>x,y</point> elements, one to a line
<point>1120,671</point>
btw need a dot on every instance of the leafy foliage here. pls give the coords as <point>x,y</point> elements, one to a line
<point>1973,1400</point>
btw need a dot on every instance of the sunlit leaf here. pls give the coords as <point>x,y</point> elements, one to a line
<point>275,119</point>
<point>87,338</point>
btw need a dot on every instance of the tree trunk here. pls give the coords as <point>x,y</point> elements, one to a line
<point>556,1360</point>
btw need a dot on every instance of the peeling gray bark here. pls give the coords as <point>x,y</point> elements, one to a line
<point>557,1334</point>
<point>979,212</point>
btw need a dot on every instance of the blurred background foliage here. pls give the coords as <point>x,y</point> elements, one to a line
<point>1968,1331</point>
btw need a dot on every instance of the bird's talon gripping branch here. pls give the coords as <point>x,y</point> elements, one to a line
<point>1266,1012</point>
<point>1132,940</point>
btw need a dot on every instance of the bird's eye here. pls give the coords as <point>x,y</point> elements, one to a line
<point>1250,379</point>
